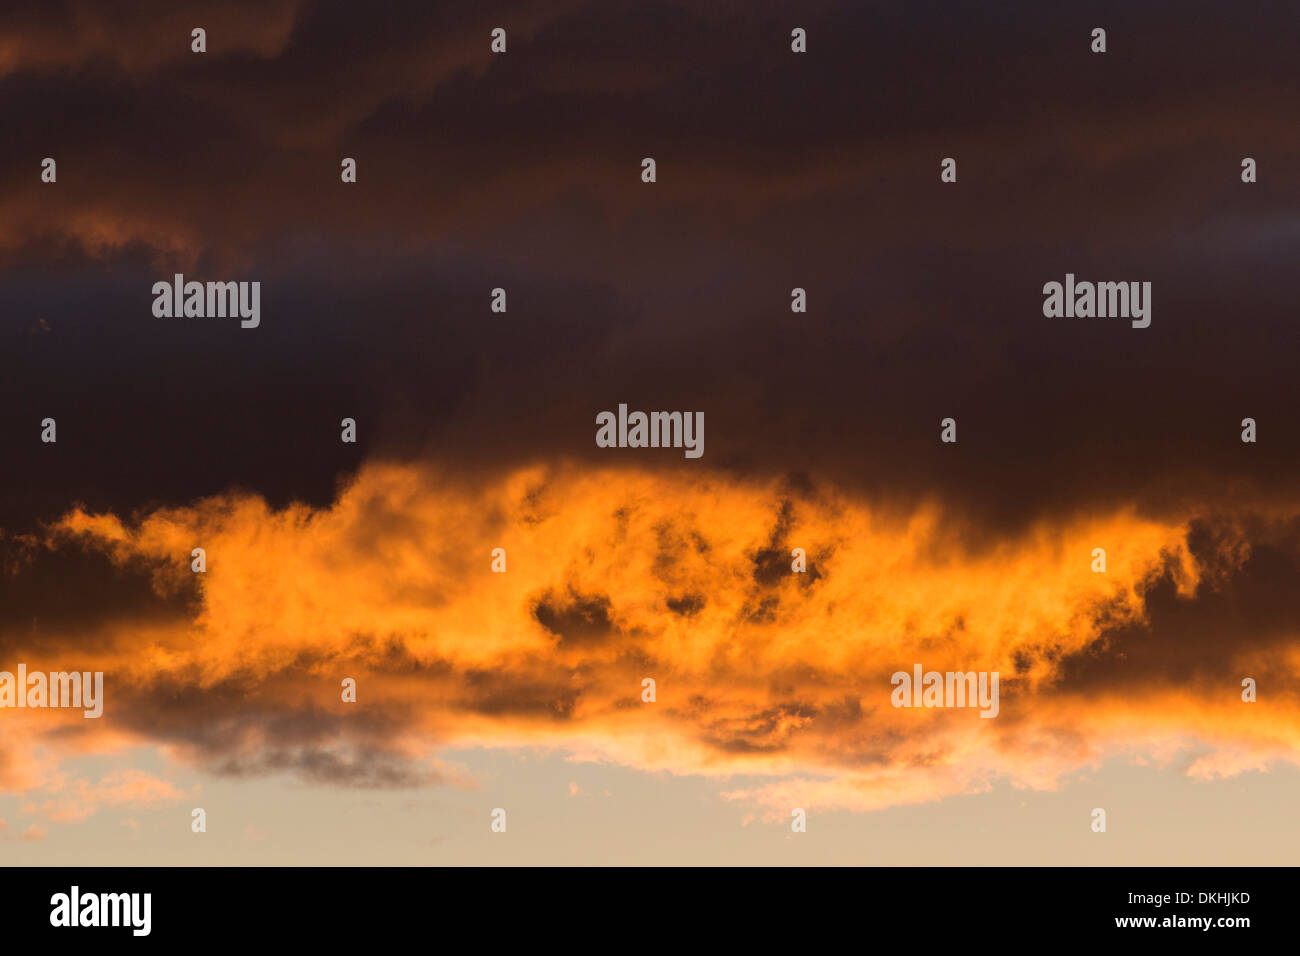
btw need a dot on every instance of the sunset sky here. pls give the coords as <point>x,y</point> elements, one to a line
<point>476,690</point>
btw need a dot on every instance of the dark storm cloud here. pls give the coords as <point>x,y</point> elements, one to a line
<point>775,170</point>
<point>52,598</point>
<point>1240,621</point>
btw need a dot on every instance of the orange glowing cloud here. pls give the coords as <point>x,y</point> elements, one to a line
<point>617,576</point>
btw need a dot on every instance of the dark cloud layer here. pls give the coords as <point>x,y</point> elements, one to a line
<point>775,170</point>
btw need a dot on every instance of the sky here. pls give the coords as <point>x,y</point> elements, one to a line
<point>475,690</point>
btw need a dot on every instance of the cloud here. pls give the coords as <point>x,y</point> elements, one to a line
<point>73,800</point>
<point>776,674</point>
<point>33,834</point>
<point>139,36</point>
<point>521,172</point>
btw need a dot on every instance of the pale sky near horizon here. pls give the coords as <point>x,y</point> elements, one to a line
<point>626,817</point>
